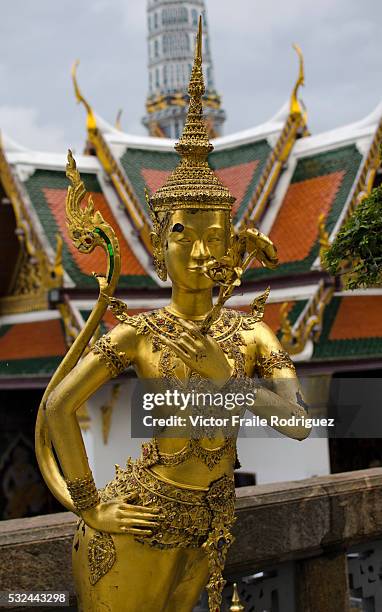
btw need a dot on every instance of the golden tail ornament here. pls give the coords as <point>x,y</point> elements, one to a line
<point>88,230</point>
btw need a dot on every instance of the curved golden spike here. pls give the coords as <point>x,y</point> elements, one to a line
<point>90,121</point>
<point>199,40</point>
<point>118,125</point>
<point>295,105</point>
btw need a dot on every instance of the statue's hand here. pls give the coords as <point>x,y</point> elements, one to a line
<point>121,517</point>
<point>266,250</point>
<point>200,353</point>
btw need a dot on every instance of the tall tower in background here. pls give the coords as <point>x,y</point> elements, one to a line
<point>172,27</point>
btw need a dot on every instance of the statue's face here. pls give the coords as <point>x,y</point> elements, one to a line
<point>193,238</point>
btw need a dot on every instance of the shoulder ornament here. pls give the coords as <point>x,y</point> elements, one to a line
<point>257,310</point>
<point>120,311</point>
<point>107,350</point>
<point>275,360</point>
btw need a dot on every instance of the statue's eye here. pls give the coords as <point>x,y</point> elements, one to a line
<point>178,227</point>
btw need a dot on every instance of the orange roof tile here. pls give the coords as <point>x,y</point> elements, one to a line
<point>109,320</point>
<point>236,178</point>
<point>272,314</point>
<point>155,179</point>
<point>295,229</point>
<point>96,261</point>
<point>358,317</point>
<point>33,339</point>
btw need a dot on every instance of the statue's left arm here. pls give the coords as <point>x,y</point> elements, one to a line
<point>279,393</point>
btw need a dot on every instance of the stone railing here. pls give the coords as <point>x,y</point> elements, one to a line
<point>303,546</point>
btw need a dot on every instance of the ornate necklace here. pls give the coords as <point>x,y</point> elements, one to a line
<point>226,332</point>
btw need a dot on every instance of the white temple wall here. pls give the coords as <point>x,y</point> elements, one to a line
<point>280,459</point>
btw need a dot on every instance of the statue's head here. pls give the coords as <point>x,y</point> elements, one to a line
<point>191,213</point>
<point>187,240</point>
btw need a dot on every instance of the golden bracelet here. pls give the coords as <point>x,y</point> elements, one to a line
<point>83,492</point>
<point>115,361</point>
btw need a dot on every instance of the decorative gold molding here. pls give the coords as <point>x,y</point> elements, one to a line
<point>35,274</point>
<point>70,322</point>
<point>156,130</point>
<point>25,231</point>
<point>180,98</point>
<point>294,338</point>
<point>18,304</point>
<point>295,125</point>
<point>366,177</point>
<point>323,238</point>
<point>111,166</point>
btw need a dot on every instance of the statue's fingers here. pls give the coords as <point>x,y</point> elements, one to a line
<point>187,347</point>
<point>138,522</point>
<point>134,531</point>
<point>140,509</point>
<point>189,338</point>
<point>171,345</point>
<point>193,329</point>
<point>124,516</point>
<point>180,348</point>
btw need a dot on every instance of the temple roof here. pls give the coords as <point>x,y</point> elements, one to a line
<point>351,327</point>
<point>285,191</point>
<point>44,186</point>
<point>238,160</point>
<point>31,346</point>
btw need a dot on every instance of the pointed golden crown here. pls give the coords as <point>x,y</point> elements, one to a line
<point>193,183</point>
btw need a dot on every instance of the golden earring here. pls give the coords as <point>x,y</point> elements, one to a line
<point>160,266</point>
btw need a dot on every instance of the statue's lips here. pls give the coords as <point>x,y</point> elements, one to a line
<point>196,269</point>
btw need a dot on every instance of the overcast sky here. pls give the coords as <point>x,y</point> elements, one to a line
<point>255,66</point>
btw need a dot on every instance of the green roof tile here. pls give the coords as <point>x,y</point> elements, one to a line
<point>326,348</point>
<point>41,366</point>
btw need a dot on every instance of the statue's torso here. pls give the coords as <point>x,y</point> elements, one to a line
<point>184,459</point>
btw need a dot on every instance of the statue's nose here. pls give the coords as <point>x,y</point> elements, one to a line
<point>200,250</point>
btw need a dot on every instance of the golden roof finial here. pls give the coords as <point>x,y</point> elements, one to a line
<point>295,104</point>
<point>90,121</point>
<point>193,183</point>
<point>58,268</point>
<point>118,125</point>
<point>236,606</point>
<point>285,324</point>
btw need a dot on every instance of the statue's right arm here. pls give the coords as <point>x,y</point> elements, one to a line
<point>88,376</point>
<point>84,380</point>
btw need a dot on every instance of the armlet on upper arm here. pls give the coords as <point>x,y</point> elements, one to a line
<point>274,360</point>
<point>107,351</point>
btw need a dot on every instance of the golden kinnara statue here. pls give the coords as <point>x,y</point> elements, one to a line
<point>158,533</point>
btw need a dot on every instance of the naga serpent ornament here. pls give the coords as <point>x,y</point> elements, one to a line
<point>88,230</point>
